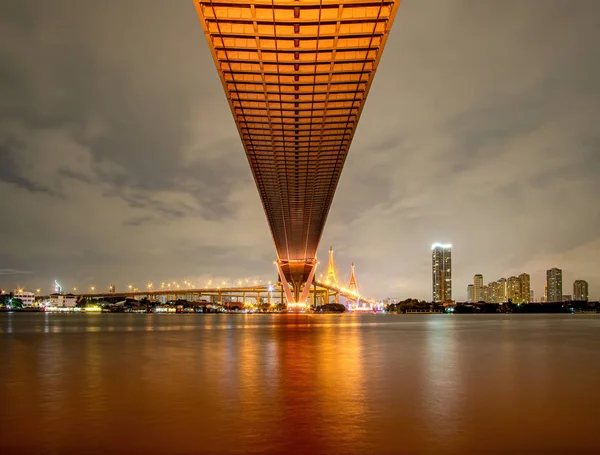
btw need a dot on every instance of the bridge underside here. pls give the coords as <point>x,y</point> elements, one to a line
<point>296,75</point>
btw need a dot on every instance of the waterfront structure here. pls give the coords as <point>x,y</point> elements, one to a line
<point>26,298</point>
<point>580,290</point>
<point>567,298</point>
<point>441,264</point>
<point>63,300</point>
<point>296,76</point>
<point>470,293</point>
<point>478,288</point>
<point>320,294</point>
<point>554,285</point>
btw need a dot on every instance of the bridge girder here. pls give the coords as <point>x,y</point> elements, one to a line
<point>296,75</point>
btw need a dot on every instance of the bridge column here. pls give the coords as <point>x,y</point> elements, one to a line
<point>297,296</point>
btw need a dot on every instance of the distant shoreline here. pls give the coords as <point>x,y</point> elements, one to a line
<point>309,313</point>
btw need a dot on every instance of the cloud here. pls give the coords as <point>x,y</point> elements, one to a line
<point>14,272</point>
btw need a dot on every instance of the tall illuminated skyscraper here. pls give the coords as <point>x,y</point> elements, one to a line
<point>502,291</point>
<point>478,288</point>
<point>513,289</point>
<point>525,282</point>
<point>554,285</point>
<point>580,290</point>
<point>441,264</point>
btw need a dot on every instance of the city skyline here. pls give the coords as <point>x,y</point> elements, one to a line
<point>123,163</point>
<point>440,253</point>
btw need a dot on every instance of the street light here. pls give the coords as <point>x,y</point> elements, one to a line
<point>92,288</point>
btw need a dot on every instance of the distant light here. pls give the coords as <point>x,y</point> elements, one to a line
<point>441,245</point>
<point>270,288</point>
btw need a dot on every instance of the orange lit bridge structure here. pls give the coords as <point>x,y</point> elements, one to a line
<point>296,74</point>
<point>326,289</point>
<point>320,293</point>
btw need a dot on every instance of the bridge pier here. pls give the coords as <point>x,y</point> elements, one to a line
<point>294,272</point>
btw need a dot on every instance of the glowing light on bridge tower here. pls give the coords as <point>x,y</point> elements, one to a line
<point>353,285</point>
<point>331,275</point>
<point>296,75</point>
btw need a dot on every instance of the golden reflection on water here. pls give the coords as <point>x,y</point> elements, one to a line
<point>298,384</point>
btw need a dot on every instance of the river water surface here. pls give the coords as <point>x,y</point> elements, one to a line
<point>322,384</point>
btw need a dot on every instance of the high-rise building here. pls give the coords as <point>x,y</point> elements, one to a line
<point>441,264</point>
<point>580,290</point>
<point>554,285</point>
<point>531,296</point>
<point>491,292</point>
<point>525,282</point>
<point>484,296</point>
<point>494,292</point>
<point>478,288</point>
<point>470,293</point>
<point>516,289</point>
<point>502,291</point>
<point>513,286</point>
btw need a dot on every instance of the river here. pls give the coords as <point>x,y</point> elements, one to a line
<point>314,384</point>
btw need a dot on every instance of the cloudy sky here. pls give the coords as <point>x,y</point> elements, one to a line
<point>120,161</point>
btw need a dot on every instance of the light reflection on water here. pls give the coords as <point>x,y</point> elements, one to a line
<point>299,384</point>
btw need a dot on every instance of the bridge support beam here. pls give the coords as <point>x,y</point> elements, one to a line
<point>296,297</point>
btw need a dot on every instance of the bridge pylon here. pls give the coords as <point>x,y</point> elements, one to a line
<point>331,275</point>
<point>296,278</point>
<point>353,285</point>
